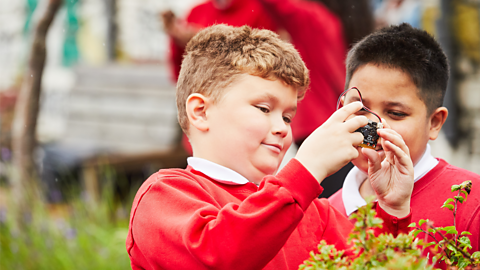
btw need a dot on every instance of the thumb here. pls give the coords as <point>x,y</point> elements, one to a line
<point>374,160</point>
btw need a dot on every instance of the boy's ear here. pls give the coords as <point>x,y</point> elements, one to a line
<point>197,105</point>
<point>437,119</point>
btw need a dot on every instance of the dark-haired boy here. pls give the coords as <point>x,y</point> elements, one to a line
<point>402,74</point>
<point>229,209</point>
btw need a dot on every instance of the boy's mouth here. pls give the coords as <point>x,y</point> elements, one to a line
<point>277,148</point>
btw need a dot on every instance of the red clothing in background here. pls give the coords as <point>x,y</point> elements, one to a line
<point>239,13</point>
<point>429,194</point>
<point>318,36</point>
<point>182,219</point>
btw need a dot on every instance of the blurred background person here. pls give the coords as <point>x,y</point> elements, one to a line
<point>388,12</point>
<point>322,31</point>
<point>230,12</point>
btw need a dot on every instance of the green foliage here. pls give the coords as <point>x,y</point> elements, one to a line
<point>84,236</point>
<point>371,252</point>
<point>453,248</point>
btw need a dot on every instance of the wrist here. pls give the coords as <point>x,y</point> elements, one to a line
<point>314,169</point>
<point>399,211</point>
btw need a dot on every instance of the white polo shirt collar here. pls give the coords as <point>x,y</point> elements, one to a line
<point>217,172</point>
<point>351,197</point>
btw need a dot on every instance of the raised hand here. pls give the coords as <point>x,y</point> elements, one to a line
<point>334,143</point>
<point>391,173</point>
<point>180,31</point>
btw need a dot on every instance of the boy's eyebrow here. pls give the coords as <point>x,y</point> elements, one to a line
<point>274,99</point>
<point>355,98</point>
<point>395,104</point>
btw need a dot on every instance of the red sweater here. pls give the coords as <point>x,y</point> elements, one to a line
<point>429,194</point>
<point>182,219</point>
<point>318,36</point>
<point>239,13</point>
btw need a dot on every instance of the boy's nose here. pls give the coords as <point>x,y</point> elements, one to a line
<point>280,127</point>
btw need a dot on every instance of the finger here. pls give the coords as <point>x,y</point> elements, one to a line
<point>385,123</point>
<point>395,138</point>
<point>374,160</point>
<point>343,113</point>
<point>356,123</point>
<point>357,139</point>
<point>402,158</point>
<point>381,154</point>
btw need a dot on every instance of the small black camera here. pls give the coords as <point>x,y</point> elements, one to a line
<point>370,136</point>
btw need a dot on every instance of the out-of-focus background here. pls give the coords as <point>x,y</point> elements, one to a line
<point>107,117</point>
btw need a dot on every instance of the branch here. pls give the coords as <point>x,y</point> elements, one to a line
<point>466,255</point>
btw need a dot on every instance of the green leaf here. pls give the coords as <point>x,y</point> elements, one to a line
<point>429,244</point>
<point>464,193</point>
<point>460,199</point>
<point>465,233</point>
<point>421,222</point>
<point>463,264</point>
<point>416,233</point>
<point>456,187</point>
<point>452,231</point>
<point>412,225</point>
<point>476,255</point>
<point>449,206</point>
<point>452,248</point>
<point>449,200</point>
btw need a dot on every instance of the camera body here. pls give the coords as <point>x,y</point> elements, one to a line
<point>370,136</point>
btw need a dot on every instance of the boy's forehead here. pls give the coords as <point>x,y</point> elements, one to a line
<point>379,83</point>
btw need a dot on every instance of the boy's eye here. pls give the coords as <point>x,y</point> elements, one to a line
<point>263,109</point>
<point>396,114</point>
<point>362,112</point>
<point>287,120</point>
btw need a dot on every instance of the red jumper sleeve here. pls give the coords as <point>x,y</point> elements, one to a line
<point>177,223</point>
<point>392,224</point>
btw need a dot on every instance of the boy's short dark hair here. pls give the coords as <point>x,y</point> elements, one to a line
<point>218,55</point>
<point>411,50</point>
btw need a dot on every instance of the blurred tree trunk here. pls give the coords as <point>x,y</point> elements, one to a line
<point>25,186</point>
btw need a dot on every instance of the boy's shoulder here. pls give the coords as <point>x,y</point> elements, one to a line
<point>449,169</point>
<point>165,176</point>
<point>443,176</point>
<point>168,175</point>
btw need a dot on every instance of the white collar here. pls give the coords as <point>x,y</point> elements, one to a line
<point>351,197</point>
<point>217,172</point>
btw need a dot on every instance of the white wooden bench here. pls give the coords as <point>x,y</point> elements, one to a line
<point>125,119</point>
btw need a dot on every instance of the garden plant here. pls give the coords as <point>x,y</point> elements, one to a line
<point>404,251</point>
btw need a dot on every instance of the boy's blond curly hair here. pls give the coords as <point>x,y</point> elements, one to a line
<point>220,54</point>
